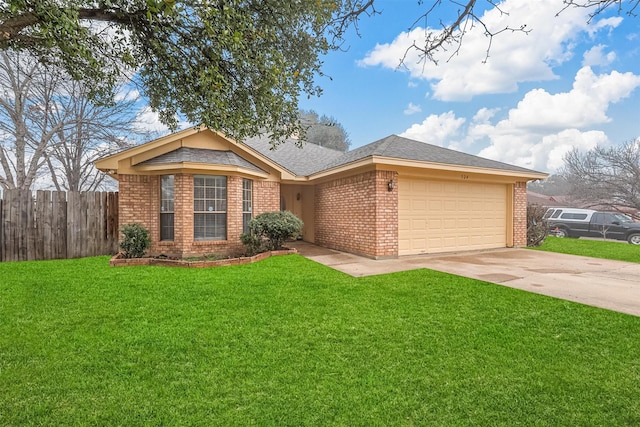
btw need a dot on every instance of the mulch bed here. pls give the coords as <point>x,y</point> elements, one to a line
<point>119,261</point>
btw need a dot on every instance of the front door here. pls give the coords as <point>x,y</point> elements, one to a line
<point>299,199</point>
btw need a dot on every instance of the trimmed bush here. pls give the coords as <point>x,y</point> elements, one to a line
<point>269,231</point>
<point>135,240</point>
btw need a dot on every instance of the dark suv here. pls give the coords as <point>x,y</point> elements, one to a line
<point>569,222</point>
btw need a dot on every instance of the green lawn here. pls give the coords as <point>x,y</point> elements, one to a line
<point>287,341</point>
<point>620,251</point>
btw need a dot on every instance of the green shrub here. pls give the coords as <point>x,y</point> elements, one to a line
<point>253,243</point>
<point>135,240</point>
<point>269,231</point>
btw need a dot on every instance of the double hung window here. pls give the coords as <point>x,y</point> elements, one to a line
<point>209,207</point>
<point>247,203</point>
<point>166,207</point>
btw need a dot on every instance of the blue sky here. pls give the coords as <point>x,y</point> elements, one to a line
<point>566,84</point>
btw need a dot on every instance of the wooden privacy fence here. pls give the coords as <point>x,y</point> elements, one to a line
<point>57,224</point>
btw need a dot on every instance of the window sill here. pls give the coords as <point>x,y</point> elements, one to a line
<point>210,242</point>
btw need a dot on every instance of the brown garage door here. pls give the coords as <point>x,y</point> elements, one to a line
<point>444,216</point>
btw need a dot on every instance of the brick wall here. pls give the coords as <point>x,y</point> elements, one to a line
<point>520,214</point>
<point>182,218</point>
<point>386,215</point>
<point>140,202</point>
<point>266,197</point>
<point>358,214</point>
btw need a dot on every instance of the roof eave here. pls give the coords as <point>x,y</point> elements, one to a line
<point>111,162</point>
<point>420,164</point>
<point>458,168</point>
<point>191,166</point>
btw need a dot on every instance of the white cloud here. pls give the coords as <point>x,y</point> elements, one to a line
<point>127,94</point>
<point>514,57</point>
<point>483,115</point>
<point>586,104</point>
<point>412,109</point>
<point>606,23</point>
<point>597,57</point>
<point>149,121</point>
<point>436,129</point>
<point>541,128</point>
<point>540,152</point>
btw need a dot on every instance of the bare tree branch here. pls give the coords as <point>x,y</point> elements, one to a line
<point>606,176</point>
<point>48,123</point>
<point>450,36</point>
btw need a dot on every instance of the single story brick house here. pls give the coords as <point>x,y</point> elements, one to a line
<point>196,190</point>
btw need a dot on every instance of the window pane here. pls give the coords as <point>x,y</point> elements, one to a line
<point>198,192</point>
<point>166,207</point>
<point>246,218</point>
<point>166,226</point>
<point>210,226</point>
<point>247,203</point>
<point>210,203</point>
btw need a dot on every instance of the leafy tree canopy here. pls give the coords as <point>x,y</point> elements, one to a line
<point>236,65</point>
<point>324,131</point>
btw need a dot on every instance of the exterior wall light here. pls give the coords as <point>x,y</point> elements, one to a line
<point>391,185</point>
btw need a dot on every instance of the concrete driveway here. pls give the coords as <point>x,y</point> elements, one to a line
<point>613,285</point>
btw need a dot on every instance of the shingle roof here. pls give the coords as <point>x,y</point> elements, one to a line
<point>302,161</point>
<point>398,147</point>
<point>310,158</point>
<point>200,155</point>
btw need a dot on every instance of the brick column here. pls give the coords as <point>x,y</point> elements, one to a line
<point>234,208</point>
<point>183,217</point>
<point>520,214</point>
<point>386,215</point>
<point>266,197</point>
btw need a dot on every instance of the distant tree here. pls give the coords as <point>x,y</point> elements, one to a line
<point>608,176</point>
<point>25,133</point>
<point>92,131</point>
<point>48,126</point>
<point>324,131</point>
<point>554,185</point>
